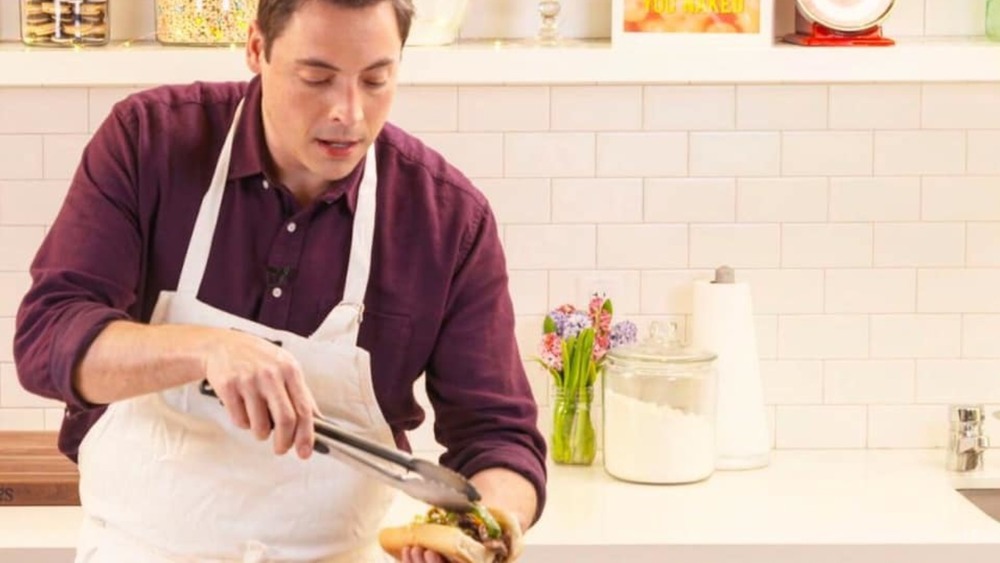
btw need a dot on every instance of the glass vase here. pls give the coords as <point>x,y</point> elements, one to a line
<point>548,33</point>
<point>573,436</point>
<point>993,20</point>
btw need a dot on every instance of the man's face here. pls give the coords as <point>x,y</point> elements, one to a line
<point>328,86</point>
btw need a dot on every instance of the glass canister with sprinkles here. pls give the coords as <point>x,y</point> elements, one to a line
<point>204,22</point>
<point>65,23</point>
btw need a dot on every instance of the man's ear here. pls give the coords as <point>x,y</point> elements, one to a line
<point>255,48</point>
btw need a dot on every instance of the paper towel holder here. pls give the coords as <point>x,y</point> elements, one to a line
<point>742,433</point>
<point>724,274</point>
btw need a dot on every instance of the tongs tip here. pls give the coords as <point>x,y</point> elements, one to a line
<point>445,488</point>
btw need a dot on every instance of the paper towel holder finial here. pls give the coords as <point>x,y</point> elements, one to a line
<point>724,274</point>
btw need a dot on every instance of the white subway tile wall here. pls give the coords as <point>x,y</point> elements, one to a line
<point>947,17</point>
<point>866,219</point>
<point>982,152</point>
<point>907,18</point>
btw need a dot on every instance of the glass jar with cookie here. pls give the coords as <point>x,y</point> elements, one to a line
<point>65,23</point>
<point>204,23</point>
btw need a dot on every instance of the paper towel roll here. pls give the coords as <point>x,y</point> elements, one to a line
<point>722,322</point>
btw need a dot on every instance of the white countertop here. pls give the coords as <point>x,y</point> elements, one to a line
<point>803,497</point>
<point>898,502</point>
<point>486,63</point>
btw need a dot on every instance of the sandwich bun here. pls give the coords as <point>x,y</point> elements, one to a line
<point>452,542</point>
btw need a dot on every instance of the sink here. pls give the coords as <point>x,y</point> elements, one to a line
<point>987,500</point>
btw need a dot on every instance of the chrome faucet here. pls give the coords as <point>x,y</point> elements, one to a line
<point>966,441</point>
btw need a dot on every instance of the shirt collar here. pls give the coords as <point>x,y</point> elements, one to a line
<point>247,158</point>
<point>250,148</point>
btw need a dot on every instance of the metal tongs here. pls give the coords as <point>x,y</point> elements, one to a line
<point>418,478</point>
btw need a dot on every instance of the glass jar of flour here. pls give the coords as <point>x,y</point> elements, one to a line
<point>659,409</point>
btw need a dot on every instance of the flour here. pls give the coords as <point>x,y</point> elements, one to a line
<point>652,443</point>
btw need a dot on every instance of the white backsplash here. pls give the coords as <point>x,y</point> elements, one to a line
<point>870,235</point>
<point>865,217</point>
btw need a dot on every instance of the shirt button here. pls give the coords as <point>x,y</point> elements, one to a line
<point>266,184</point>
<point>291,227</point>
<point>276,292</point>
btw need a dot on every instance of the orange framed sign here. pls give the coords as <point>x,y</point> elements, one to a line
<point>694,22</point>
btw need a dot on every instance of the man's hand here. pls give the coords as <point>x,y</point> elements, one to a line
<point>257,381</point>
<point>508,491</point>
<point>262,388</point>
<point>501,489</point>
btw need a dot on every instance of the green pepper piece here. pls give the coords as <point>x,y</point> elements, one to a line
<point>492,527</point>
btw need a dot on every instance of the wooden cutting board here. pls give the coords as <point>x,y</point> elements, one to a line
<point>34,473</point>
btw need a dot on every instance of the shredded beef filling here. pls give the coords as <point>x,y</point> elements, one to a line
<point>476,530</point>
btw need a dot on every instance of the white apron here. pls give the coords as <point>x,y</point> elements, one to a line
<point>167,477</point>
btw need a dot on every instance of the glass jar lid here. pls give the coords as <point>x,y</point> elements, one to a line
<point>661,349</point>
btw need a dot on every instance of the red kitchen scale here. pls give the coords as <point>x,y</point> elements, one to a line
<point>822,36</point>
<point>840,23</point>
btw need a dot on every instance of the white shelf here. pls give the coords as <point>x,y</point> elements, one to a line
<point>925,60</point>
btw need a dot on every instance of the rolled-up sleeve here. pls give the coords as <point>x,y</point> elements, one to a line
<point>485,413</point>
<point>84,274</point>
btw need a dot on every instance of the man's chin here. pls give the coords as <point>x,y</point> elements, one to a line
<point>332,173</point>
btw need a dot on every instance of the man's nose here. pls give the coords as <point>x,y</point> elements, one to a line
<point>345,106</point>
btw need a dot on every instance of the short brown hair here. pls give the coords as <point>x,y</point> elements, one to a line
<point>273,16</point>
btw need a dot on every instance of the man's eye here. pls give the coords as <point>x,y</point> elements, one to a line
<point>375,83</point>
<point>316,82</point>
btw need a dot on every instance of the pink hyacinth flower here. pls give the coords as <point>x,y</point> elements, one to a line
<point>602,343</point>
<point>604,323</point>
<point>566,308</point>
<point>596,303</point>
<point>551,351</point>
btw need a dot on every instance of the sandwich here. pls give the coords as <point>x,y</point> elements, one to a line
<point>479,536</point>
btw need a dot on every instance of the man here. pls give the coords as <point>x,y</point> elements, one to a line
<point>234,233</point>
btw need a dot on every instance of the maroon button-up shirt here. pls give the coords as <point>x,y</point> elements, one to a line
<point>437,299</point>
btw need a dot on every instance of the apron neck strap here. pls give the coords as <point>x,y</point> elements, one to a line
<point>360,261</point>
<point>200,245</point>
<point>345,318</point>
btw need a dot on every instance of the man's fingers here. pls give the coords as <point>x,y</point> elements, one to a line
<point>235,407</point>
<point>433,557</point>
<point>260,419</point>
<point>415,554</point>
<point>304,407</point>
<point>284,418</point>
<point>263,390</point>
